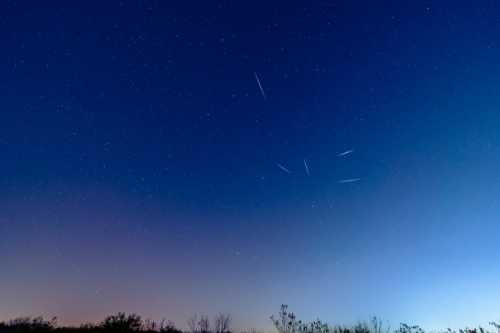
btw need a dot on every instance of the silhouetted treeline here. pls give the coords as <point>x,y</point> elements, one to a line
<point>284,322</point>
<point>119,323</point>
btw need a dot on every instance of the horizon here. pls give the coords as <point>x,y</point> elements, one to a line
<point>386,325</point>
<point>167,159</point>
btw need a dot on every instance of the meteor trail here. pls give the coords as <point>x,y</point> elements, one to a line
<point>306,167</point>
<point>347,152</point>
<point>260,85</point>
<point>350,180</point>
<point>283,168</point>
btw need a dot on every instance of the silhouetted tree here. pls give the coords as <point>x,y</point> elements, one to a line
<point>287,322</point>
<point>169,327</point>
<point>221,323</point>
<point>149,325</point>
<point>121,323</point>
<point>28,324</point>
<point>204,324</point>
<point>192,323</point>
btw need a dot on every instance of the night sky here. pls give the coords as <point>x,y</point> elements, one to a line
<point>170,158</point>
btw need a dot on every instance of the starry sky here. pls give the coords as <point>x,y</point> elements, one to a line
<point>171,158</point>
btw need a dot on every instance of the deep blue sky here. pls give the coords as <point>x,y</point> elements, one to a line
<point>139,160</point>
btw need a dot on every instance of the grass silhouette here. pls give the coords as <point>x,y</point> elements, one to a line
<point>284,322</point>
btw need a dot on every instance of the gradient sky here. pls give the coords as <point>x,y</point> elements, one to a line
<point>139,160</point>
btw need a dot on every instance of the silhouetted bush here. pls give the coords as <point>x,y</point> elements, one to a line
<point>287,322</point>
<point>28,324</point>
<point>169,327</point>
<point>122,323</point>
